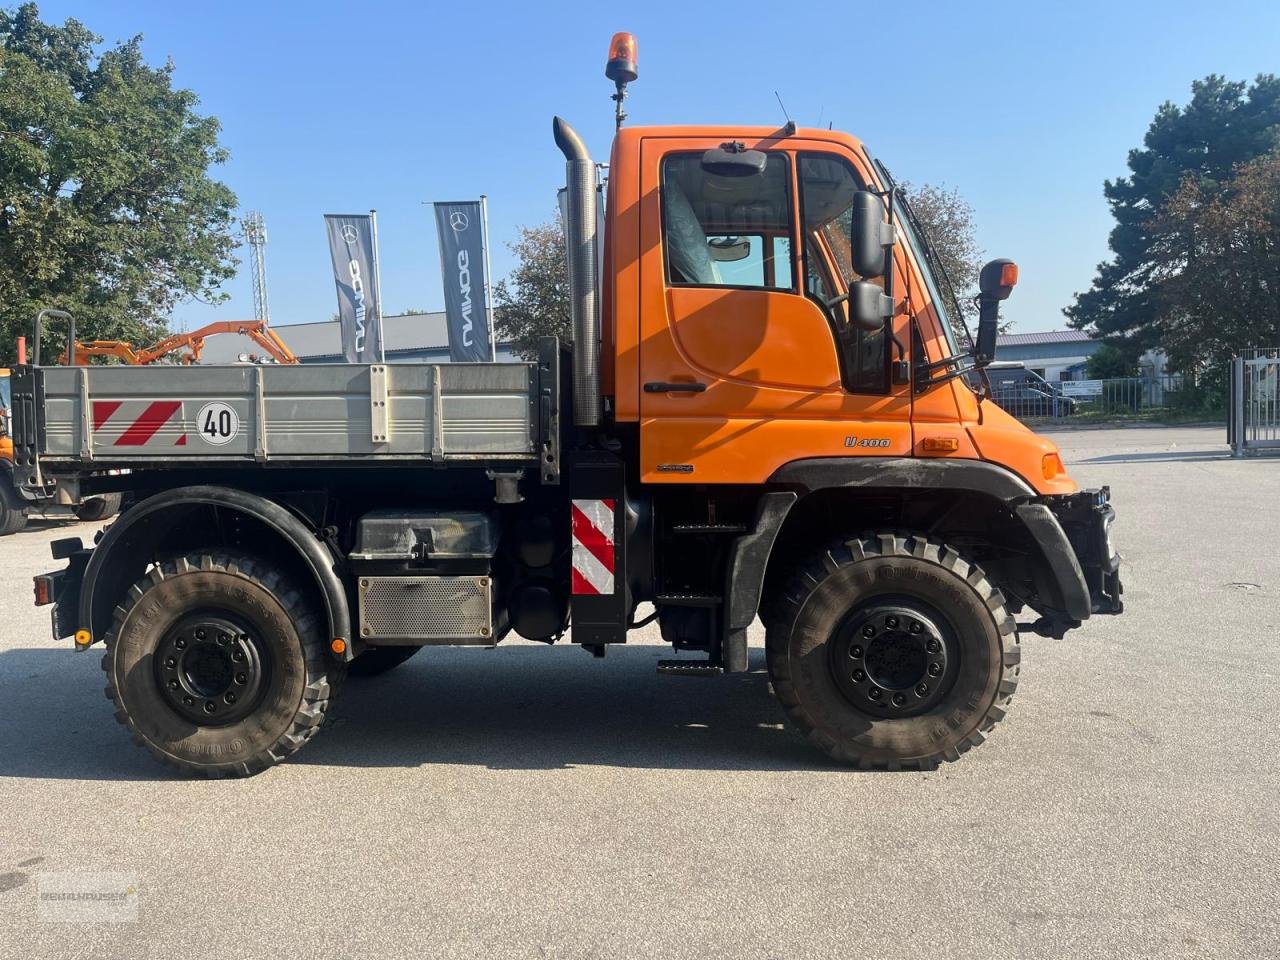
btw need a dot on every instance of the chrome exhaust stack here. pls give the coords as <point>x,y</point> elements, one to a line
<point>584,297</point>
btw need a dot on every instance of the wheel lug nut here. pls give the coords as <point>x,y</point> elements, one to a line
<point>932,646</point>
<point>173,684</point>
<point>855,651</point>
<point>891,622</point>
<point>200,634</point>
<point>874,693</point>
<point>899,699</point>
<point>238,656</point>
<point>859,676</point>
<point>170,662</point>
<point>180,644</point>
<point>868,631</point>
<point>209,706</point>
<point>916,626</point>
<point>935,669</point>
<point>922,689</point>
<point>223,639</point>
<point>241,678</point>
<point>230,698</point>
<point>188,701</point>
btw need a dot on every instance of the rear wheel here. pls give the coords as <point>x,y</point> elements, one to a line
<point>892,651</point>
<point>217,665</point>
<point>99,508</point>
<point>376,661</point>
<point>13,513</point>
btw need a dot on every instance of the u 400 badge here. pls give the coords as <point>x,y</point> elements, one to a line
<point>866,442</point>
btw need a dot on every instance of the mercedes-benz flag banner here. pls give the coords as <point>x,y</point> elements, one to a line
<point>353,247</point>
<point>461,228</point>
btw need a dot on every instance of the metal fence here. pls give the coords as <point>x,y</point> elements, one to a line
<point>1255,402</point>
<point>1124,398</point>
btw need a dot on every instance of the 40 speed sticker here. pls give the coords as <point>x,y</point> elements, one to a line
<point>217,423</point>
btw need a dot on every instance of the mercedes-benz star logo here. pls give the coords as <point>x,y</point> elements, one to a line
<point>458,221</point>
<point>349,233</point>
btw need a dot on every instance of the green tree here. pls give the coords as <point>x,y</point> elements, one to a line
<point>1109,362</point>
<point>947,219</point>
<point>1224,125</point>
<point>107,208</point>
<point>533,301</point>
<point>1215,274</point>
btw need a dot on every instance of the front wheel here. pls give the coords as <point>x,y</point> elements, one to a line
<point>892,651</point>
<point>217,665</point>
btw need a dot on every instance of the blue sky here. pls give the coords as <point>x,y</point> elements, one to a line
<point>341,107</point>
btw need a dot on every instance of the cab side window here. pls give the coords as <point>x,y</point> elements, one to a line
<point>827,186</point>
<point>726,231</point>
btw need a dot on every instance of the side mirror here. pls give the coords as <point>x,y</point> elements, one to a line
<point>869,306</point>
<point>733,160</point>
<point>997,279</point>
<point>872,236</point>
<point>995,283</point>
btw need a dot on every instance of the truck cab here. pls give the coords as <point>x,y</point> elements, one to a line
<point>733,368</point>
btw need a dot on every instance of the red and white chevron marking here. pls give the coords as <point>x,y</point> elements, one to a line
<point>594,553</point>
<point>139,423</point>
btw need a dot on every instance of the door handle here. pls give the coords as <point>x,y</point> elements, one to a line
<point>662,386</point>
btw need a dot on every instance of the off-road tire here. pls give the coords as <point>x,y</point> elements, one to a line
<point>13,514</point>
<point>856,574</point>
<point>99,508</point>
<point>297,688</point>
<point>376,661</point>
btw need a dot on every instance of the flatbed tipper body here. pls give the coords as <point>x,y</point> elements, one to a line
<point>326,414</point>
<point>770,416</point>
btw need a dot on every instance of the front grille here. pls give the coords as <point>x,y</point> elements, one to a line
<point>432,609</point>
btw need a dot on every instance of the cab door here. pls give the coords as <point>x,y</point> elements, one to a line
<point>744,363</point>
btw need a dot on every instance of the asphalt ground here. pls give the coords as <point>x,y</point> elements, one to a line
<point>535,802</point>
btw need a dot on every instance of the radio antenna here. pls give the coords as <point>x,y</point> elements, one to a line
<point>785,115</point>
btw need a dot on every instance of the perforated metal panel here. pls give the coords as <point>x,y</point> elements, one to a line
<point>430,609</point>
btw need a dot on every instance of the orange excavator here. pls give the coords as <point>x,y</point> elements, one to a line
<point>192,342</point>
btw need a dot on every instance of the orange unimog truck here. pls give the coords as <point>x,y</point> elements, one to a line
<point>765,413</point>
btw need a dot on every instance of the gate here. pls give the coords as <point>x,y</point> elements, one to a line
<point>1255,402</point>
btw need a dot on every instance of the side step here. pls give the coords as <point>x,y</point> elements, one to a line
<point>686,600</point>
<point>709,528</point>
<point>690,668</point>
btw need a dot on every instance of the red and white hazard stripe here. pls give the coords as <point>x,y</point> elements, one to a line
<point>139,423</point>
<point>594,551</point>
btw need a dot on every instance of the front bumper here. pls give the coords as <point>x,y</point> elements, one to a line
<point>1086,519</point>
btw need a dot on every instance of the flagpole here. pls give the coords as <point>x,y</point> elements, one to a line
<point>488,277</point>
<point>377,280</point>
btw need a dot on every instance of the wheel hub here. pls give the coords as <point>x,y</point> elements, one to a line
<point>893,660</point>
<point>211,669</point>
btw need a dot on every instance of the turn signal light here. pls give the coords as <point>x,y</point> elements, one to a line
<point>44,590</point>
<point>84,638</point>
<point>338,646</point>
<point>623,64</point>
<point>1009,275</point>
<point>940,444</point>
<point>1051,466</point>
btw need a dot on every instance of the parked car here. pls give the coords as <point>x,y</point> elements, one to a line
<point>1024,393</point>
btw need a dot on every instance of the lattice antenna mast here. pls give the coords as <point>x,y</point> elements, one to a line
<point>255,234</point>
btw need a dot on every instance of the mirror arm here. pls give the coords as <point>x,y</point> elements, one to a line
<point>888,277</point>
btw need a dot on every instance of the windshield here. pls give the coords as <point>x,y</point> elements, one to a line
<point>930,268</point>
<point>4,392</point>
